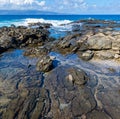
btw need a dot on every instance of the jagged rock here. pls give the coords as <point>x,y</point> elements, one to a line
<point>45,64</point>
<point>15,37</point>
<point>36,51</point>
<point>41,25</point>
<point>76,27</point>
<point>69,40</point>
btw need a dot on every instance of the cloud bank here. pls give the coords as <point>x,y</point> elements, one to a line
<point>22,4</point>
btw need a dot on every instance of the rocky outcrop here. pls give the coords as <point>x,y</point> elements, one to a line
<point>40,25</point>
<point>70,97</point>
<point>16,37</point>
<point>90,45</point>
<point>23,97</point>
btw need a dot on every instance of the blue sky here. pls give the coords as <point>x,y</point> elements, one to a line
<point>65,6</point>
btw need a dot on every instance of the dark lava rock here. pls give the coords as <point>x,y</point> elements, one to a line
<point>23,97</point>
<point>21,36</point>
<point>70,97</point>
<point>83,103</point>
<point>36,51</point>
<point>41,25</point>
<point>98,115</point>
<point>76,27</point>
<point>78,77</point>
<point>45,64</point>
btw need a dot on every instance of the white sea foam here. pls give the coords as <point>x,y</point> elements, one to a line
<point>58,25</point>
<point>53,22</point>
<point>62,25</point>
<point>25,22</point>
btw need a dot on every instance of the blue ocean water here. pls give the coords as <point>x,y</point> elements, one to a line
<point>7,19</point>
<point>59,17</point>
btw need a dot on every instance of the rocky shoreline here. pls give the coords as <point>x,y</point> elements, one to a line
<point>38,85</point>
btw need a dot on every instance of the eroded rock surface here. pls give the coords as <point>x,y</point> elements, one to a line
<point>70,97</point>
<point>21,36</point>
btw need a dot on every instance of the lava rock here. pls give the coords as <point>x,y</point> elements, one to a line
<point>45,64</point>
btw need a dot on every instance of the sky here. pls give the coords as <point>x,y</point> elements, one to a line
<point>64,6</point>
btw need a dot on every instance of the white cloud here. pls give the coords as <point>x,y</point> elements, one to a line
<point>70,6</point>
<point>20,4</point>
<point>42,3</point>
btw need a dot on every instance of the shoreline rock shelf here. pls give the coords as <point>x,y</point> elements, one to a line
<point>53,88</point>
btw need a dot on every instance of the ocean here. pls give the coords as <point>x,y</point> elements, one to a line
<point>6,20</point>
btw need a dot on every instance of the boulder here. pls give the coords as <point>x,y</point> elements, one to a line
<point>78,77</point>
<point>45,64</point>
<point>99,42</point>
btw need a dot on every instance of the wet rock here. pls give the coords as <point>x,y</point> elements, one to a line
<point>33,106</point>
<point>45,64</point>
<point>69,40</point>
<point>76,27</point>
<point>98,115</point>
<point>83,103</point>
<point>23,97</point>
<point>70,97</point>
<point>110,100</point>
<point>99,42</point>
<point>78,77</point>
